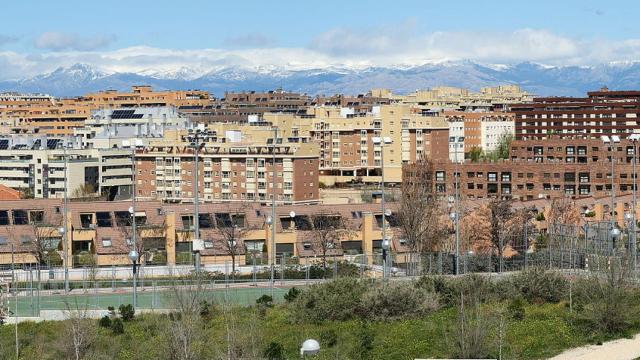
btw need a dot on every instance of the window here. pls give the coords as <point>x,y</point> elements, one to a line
<point>20,217</point>
<point>440,176</point>
<point>123,218</point>
<point>103,219</point>
<point>25,239</point>
<point>106,242</point>
<point>4,217</point>
<point>204,221</point>
<point>492,176</point>
<point>36,216</point>
<point>3,240</point>
<point>506,176</point>
<point>86,220</point>
<point>187,222</point>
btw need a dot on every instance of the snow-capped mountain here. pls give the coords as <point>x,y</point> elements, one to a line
<point>536,78</point>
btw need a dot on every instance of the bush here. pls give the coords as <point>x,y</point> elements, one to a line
<point>539,286</point>
<point>292,294</point>
<point>516,308</point>
<point>117,326</point>
<point>364,342</point>
<point>105,321</point>
<point>395,301</point>
<point>449,290</point>
<point>127,312</point>
<point>335,300</point>
<point>265,301</point>
<point>206,310</point>
<point>274,351</point>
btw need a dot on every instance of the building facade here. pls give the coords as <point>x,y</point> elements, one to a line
<point>602,112</point>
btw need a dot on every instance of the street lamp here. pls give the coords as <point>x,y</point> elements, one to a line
<point>382,142</point>
<point>133,256</point>
<point>309,347</point>
<point>634,139</point>
<point>64,232</point>
<point>195,137</point>
<point>456,141</point>
<point>611,142</point>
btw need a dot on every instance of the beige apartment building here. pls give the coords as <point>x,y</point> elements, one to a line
<point>496,98</point>
<point>346,143</point>
<point>100,232</point>
<point>39,171</point>
<point>481,130</point>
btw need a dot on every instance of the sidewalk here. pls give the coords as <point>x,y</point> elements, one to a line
<point>621,349</point>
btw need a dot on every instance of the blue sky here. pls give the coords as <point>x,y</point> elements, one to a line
<point>141,35</point>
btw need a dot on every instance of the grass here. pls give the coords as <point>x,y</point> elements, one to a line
<point>546,330</point>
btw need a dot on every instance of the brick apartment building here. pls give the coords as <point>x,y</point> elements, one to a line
<point>603,112</point>
<point>241,106</point>
<point>543,169</point>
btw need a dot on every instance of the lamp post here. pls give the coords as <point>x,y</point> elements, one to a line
<point>455,140</point>
<point>272,223</point>
<point>195,136</point>
<point>133,256</point>
<point>309,347</point>
<point>382,141</point>
<point>64,232</point>
<point>634,140</point>
<point>611,142</point>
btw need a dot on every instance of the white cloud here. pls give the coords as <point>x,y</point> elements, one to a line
<point>57,41</point>
<point>398,44</point>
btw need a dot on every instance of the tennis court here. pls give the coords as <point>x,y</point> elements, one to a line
<point>29,303</point>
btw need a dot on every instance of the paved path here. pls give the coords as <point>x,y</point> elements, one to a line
<point>621,349</point>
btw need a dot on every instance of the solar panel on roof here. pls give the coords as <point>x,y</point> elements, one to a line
<point>4,144</point>
<point>52,143</point>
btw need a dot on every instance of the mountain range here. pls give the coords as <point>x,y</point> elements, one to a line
<point>537,79</point>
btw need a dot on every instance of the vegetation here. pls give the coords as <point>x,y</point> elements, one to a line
<point>470,316</point>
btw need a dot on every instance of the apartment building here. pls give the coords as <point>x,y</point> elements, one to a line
<point>547,168</point>
<point>603,112</point>
<point>242,106</point>
<point>100,232</point>
<point>109,128</point>
<point>445,97</point>
<point>236,163</point>
<point>36,167</point>
<point>361,104</point>
<point>348,151</point>
<point>479,130</point>
<point>40,114</point>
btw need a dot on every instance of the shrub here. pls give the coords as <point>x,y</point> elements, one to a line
<point>117,326</point>
<point>449,290</point>
<point>105,321</point>
<point>274,351</point>
<point>516,308</point>
<point>539,286</point>
<point>265,301</point>
<point>127,312</point>
<point>364,342</point>
<point>334,300</point>
<point>292,294</point>
<point>206,310</point>
<point>395,301</point>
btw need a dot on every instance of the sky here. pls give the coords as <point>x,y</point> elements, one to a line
<point>197,36</point>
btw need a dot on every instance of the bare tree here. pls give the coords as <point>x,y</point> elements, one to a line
<point>327,229</point>
<point>42,236</point>
<point>183,331</point>
<point>79,332</point>
<point>420,211</point>
<point>500,212</point>
<point>563,211</point>
<point>84,192</point>
<point>231,231</point>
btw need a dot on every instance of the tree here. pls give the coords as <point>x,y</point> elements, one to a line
<point>79,332</point>
<point>500,212</point>
<point>420,211</point>
<point>231,232</point>
<point>43,237</point>
<point>563,211</point>
<point>84,192</point>
<point>327,229</point>
<point>475,154</point>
